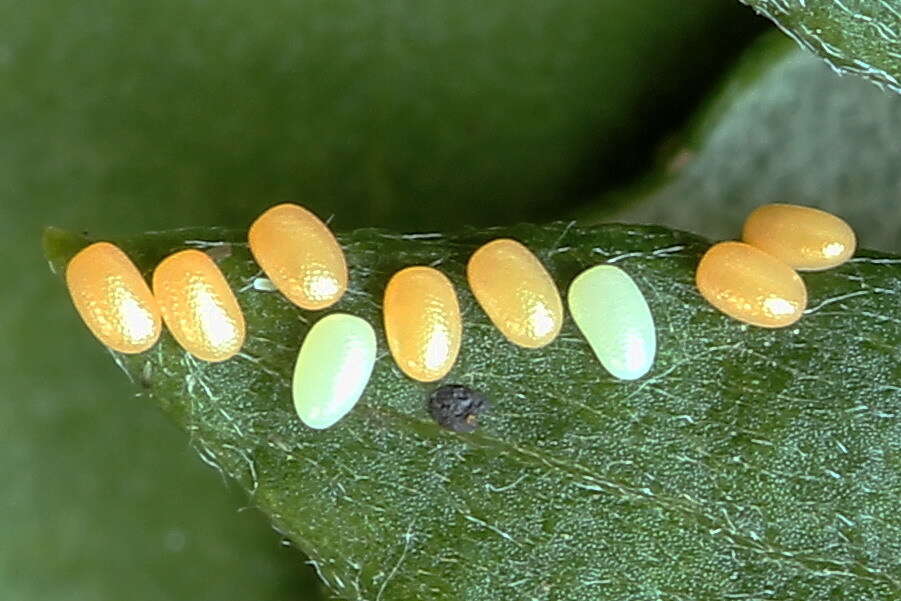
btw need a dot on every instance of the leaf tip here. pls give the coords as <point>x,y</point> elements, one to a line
<point>60,245</point>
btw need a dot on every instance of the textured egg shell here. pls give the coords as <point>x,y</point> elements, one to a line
<point>422,322</point>
<point>613,315</point>
<point>198,306</point>
<point>113,299</point>
<point>751,285</point>
<point>333,368</point>
<point>301,256</point>
<point>805,238</point>
<point>516,292</point>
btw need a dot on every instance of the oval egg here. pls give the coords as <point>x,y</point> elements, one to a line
<point>333,368</point>
<point>301,256</point>
<point>805,238</point>
<point>516,292</point>
<point>113,299</point>
<point>751,285</point>
<point>198,306</point>
<point>613,315</point>
<point>422,322</point>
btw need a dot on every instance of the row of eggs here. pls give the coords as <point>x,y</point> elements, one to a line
<point>753,281</point>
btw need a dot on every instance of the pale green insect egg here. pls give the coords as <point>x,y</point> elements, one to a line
<point>613,315</point>
<point>333,368</point>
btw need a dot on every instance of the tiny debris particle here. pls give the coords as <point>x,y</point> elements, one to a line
<point>220,252</point>
<point>263,285</point>
<point>456,407</point>
<point>147,375</point>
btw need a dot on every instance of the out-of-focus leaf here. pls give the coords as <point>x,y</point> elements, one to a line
<point>402,114</point>
<point>749,464</point>
<point>784,128</point>
<point>853,36</point>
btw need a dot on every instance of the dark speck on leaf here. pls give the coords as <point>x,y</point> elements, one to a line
<point>456,407</point>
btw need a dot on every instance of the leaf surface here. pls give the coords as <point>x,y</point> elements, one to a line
<point>853,36</point>
<point>749,464</point>
<point>132,116</point>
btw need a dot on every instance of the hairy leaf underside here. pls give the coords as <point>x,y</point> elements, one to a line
<point>749,463</point>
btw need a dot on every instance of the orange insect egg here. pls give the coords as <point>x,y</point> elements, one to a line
<point>750,285</point>
<point>300,255</point>
<point>422,322</point>
<point>516,292</point>
<point>807,239</point>
<point>113,299</point>
<point>198,306</point>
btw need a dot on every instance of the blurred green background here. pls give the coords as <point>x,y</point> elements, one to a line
<point>121,117</point>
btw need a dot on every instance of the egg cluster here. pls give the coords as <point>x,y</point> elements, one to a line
<point>754,281</point>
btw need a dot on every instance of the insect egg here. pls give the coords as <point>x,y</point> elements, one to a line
<point>750,285</point>
<point>456,407</point>
<point>805,238</point>
<point>113,299</point>
<point>516,292</point>
<point>333,368</point>
<point>198,306</point>
<point>300,255</point>
<point>612,313</point>
<point>422,322</point>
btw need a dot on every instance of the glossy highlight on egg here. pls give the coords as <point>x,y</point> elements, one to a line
<point>516,292</point>
<point>198,306</point>
<point>300,255</point>
<point>113,299</point>
<point>422,322</point>
<point>805,238</point>
<point>751,285</point>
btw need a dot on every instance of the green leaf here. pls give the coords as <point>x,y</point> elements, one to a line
<point>749,464</point>
<point>782,128</point>
<point>853,36</point>
<point>131,116</point>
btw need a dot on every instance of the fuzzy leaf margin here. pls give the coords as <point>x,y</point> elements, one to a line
<point>853,36</point>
